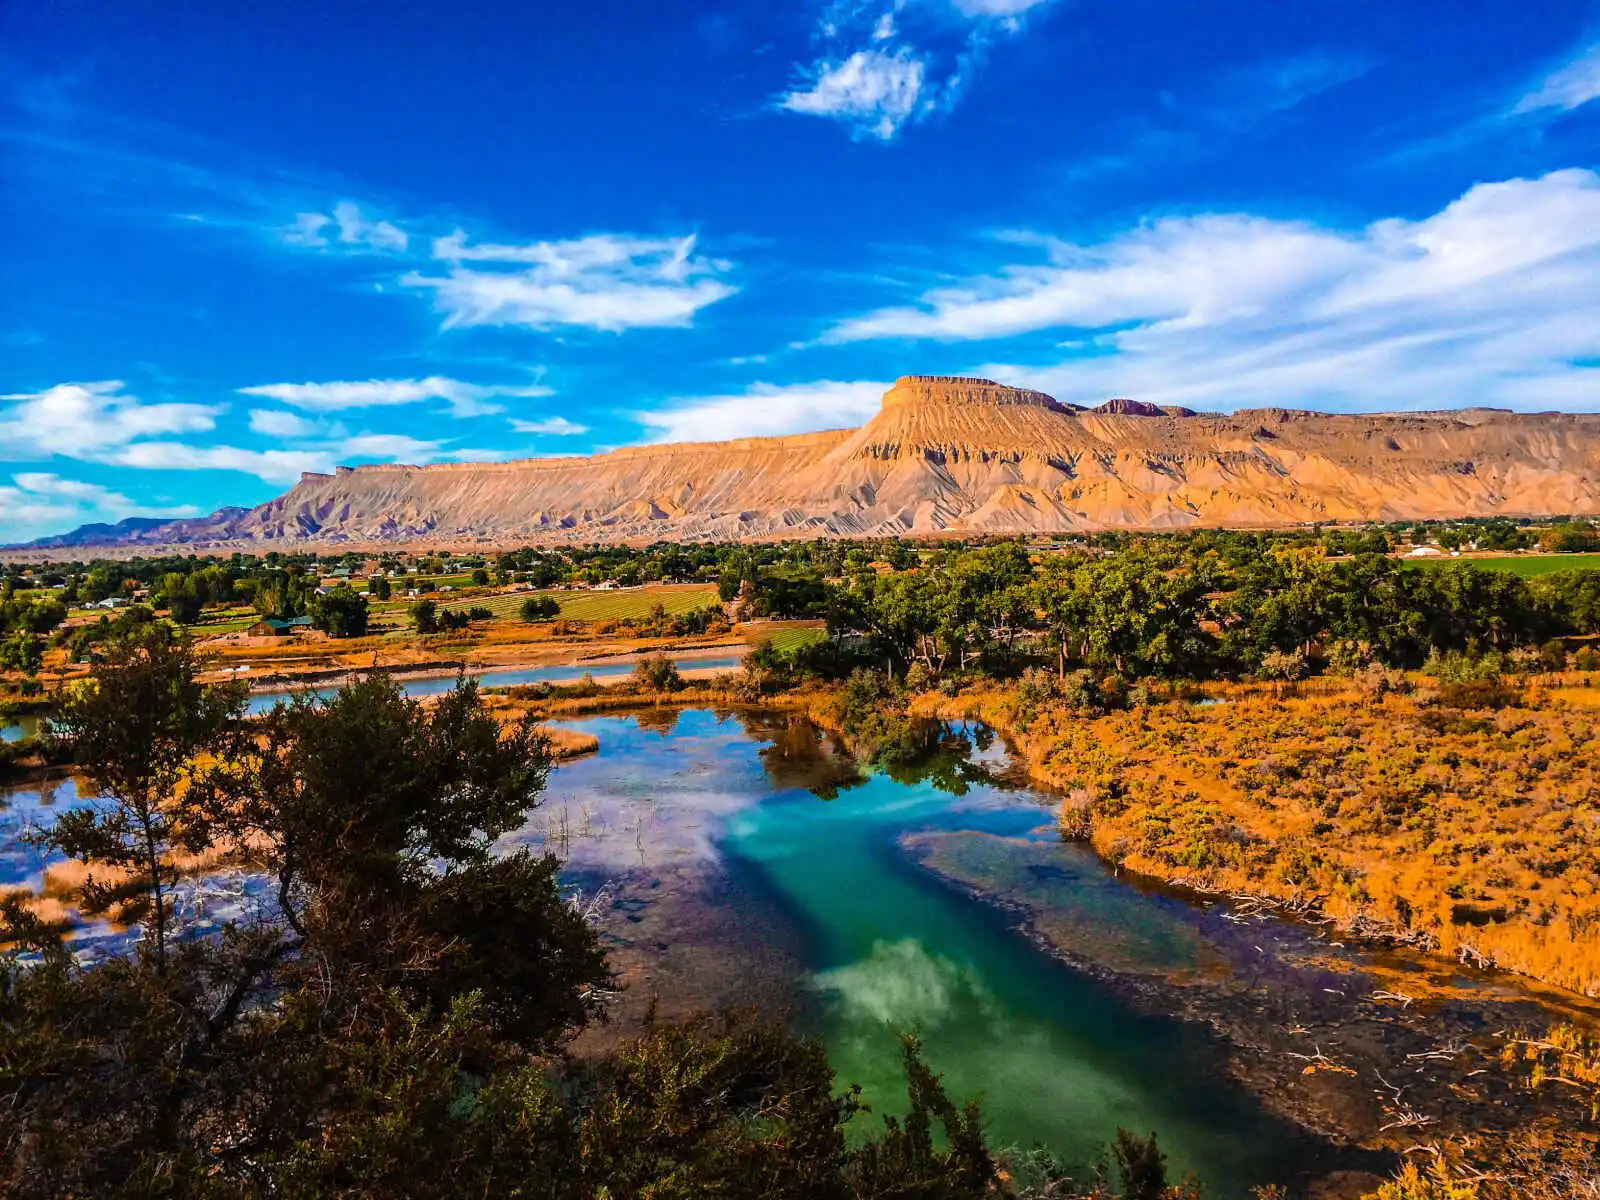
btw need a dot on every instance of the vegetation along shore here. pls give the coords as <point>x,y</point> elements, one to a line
<point>1371,786</point>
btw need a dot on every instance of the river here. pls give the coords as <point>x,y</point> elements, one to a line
<point>260,702</point>
<point>25,726</point>
<point>742,858</point>
<point>671,811</point>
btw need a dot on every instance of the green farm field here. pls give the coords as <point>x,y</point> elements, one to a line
<point>601,606</point>
<point>793,637</point>
<point>1526,565</point>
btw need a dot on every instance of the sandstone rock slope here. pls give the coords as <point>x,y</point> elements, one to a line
<point>957,455</point>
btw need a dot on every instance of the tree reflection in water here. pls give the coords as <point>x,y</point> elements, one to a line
<point>800,754</point>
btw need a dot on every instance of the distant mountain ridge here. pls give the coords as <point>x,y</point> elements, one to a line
<point>948,455</point>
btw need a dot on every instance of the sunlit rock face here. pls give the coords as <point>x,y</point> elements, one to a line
<point>955,455</point>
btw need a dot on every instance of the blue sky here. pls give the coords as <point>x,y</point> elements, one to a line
<point>245,241</point>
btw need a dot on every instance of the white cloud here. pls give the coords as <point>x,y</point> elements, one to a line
<point>1493,300</point>
<point>465,399</point>
<point>607,282</point>
<point>307,229</point>
<point>37,502</point>
<point>997,8</point>
<point>348,227</point>
<point>389,447</point>
<point>765,410</point>
<point>274,422</point>
<point>273,466</point>
<point>557,426</point>
<point>1572,86</point>
<point>872,92</point>
<point>80,420</point>
<point>889,64</point>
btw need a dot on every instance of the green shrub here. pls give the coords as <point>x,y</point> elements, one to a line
<point>539,608</point>
<point>657,673</point>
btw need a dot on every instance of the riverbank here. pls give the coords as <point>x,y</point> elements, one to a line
<point>1470,834</point>
<point>1379,1043</point>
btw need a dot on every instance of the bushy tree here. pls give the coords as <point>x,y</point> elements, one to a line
<point>657,673</point>
<point>539,608</point>
<point>138,727</point>
<point>21,651</point>
<point>341,613</point>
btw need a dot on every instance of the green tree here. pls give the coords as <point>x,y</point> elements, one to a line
<point>539,608</point>
<point>1126,613</point>
<point>21,651</point>
<point>43,615</point>
<point>341,613</point>
<point>137,727</point>
<point>183,605</point>
<point>657,673</point>
<point>425,616</point>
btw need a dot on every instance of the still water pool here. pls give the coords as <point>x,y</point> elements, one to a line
<point>889,948</point>
<point>885,945</point>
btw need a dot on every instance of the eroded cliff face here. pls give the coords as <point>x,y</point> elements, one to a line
<point>954,455</point>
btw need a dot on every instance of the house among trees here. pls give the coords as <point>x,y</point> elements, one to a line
<point>276,627</point>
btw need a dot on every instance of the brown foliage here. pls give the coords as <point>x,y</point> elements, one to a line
<point>1473,831</point>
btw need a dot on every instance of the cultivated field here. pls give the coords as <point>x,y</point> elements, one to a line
<point>599,606</point>
<point>791,637</point>
<point>1526,565</point>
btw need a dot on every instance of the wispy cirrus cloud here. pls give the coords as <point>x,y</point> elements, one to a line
<point>1525,115</point>
<point>764,410</point>
<point>552,426</point>
<point>610,282</point>
<point>1572,85</point>
<point>346,227</point>
<point>1495,299</point>
<point>605,282</point>
<point>873,92</point>
<point>881,67</point>
<point>465,399</point>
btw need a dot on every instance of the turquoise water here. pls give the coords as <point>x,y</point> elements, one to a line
<point>21,727</point>
<point>1058,1059</point>
<point>511,677</point>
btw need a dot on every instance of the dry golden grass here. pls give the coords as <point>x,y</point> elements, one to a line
<point>1474,833</point>
<point>569,743</point>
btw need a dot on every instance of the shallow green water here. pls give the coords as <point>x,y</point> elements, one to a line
<point>887,946</point>
<point>1058,1059</point>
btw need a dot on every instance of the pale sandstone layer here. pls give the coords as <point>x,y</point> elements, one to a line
<point>953,456</point>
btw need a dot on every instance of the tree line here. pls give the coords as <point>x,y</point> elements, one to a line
<point>1200,607</point>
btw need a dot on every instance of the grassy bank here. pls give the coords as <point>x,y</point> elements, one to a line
<point>1471,833</point>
